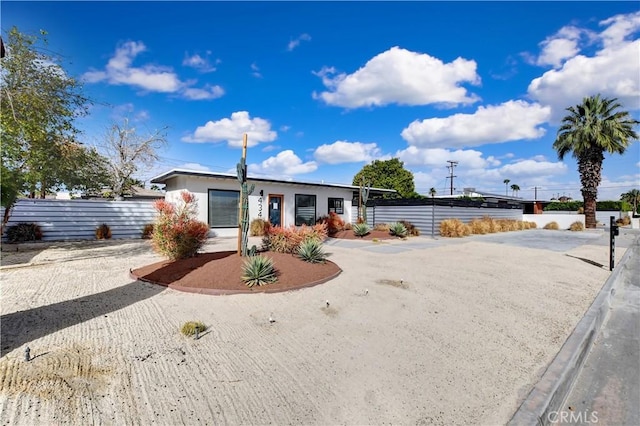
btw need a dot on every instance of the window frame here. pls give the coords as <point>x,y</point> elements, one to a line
<point>209,209</point>
<point>335,209</point>
<point>295,209</point>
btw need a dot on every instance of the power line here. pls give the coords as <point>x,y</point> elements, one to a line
<point>451,166</point>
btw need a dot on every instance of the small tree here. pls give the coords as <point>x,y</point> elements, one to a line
<point>176,233</point>
<point>389,174</point>
<point>591,129</point>
<point>127,151</point>
<point>632,197</point>
<point>40,102</point>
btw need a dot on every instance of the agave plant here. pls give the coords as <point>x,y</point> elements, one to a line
<point>361,229</point>
<point>258,270</point>
<point>398,229</point>
<point>311,251</point>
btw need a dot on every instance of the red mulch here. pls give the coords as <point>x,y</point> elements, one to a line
<point>220,272</point>
<point>349,235</point>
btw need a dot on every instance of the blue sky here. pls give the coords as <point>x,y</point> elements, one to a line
<point>322,88</point>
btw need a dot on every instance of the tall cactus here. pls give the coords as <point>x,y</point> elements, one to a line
<point>364,196</point>
<point>245,191</point>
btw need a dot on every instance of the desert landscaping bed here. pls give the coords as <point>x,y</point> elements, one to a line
<point>454,334</point>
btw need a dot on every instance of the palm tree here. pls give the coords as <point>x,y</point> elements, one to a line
<point>515,188</point>
<point>632,197</point>
<point>506,186</point>
<point>591,129</point>
<point>432,192</point>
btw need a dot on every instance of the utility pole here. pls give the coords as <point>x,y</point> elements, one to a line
<point>451,166</point>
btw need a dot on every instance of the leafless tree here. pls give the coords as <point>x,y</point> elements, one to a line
<point>129,151</point>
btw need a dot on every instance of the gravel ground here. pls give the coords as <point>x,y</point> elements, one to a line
<point>417,332</point>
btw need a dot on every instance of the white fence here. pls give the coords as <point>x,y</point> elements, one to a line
<point>426,217</point>
<point>62,220</point>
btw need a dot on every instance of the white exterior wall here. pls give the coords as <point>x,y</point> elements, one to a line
<point>564,219</point>
<point>200,187</point>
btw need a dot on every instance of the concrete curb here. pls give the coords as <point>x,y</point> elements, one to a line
<point>549,394</point>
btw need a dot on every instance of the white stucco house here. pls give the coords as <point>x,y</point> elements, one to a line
<point>281,202</point>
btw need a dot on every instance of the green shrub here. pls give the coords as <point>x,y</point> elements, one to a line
<point>398,229</point>
<point>23,232</point>
<point>311,251</point>
<point>569,206</point>
<point>259,227</point>
<point>552,225</point>
<point>600,205</point>
<point>287,240</point>
<point>147,231</point>
<point>189,328</point>
<point>103,232</point>
<point>613,206</point>
<point>361,229</point>
<point>411,229</point>
<point>576,226</point>
<point>176,233</point>
<point>258,270</point>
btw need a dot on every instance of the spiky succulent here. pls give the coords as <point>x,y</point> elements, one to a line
<point>311,251</point>
<point>258,270</point>
<point>398,229</point>
<point>361,229</point>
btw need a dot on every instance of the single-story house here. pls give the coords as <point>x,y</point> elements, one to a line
<point>280,202</point>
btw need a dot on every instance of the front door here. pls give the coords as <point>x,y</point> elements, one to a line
<point>275,210</point>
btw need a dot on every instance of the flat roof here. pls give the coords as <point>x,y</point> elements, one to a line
<point>163,178</point>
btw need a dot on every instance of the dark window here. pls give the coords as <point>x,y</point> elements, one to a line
<point>336,205</point>
<point>223,208</point>
<point>305,209</point>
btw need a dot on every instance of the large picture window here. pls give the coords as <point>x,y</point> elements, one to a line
<point>223,208</point>
<point>336,205</point>
<point>305,209</point>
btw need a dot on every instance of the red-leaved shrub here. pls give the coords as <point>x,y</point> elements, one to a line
<point>176,233</point>
<point>334,223</point>
<point>287,240</point>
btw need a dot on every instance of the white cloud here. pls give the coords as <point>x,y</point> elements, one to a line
<point>510,121</point>
<point>195,167</point>
<point>438,157</point>
<point>559,47</point>
<point>532,168</point>
<point>619,27</point>
<point>232,129</point>
<point>153,78</point>
<point>296,42</point>
<point>255,71</point>
<point>285,163</point>
<point>207,92</point>
<point>346,152</point>
<point>269,148</point>
<point>612,71</point>
<point>202,64</point>
<point>402,77</point>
